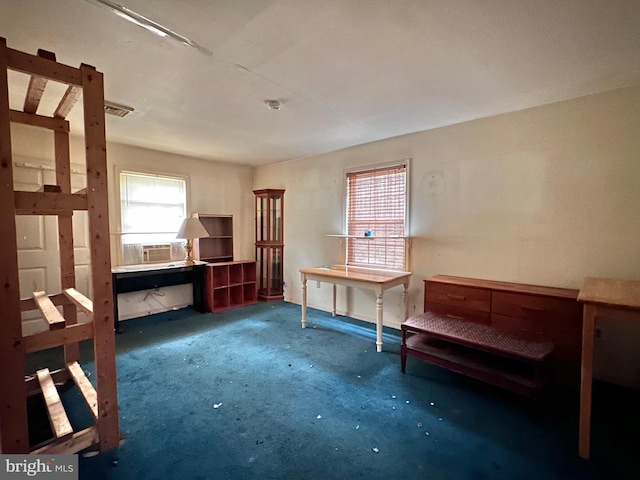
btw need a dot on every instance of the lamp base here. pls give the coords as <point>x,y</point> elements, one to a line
<point>188,249</point>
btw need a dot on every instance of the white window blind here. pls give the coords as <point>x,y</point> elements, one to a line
<point>376,213</point>
<point>152,207</point>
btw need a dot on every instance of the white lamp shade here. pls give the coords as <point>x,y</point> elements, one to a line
<point>192,228</point>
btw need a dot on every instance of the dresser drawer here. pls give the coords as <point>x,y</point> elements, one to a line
<point>516,324</point>
<point>458,296</point>
<point>459,313</point>
<point>565,337</point>
<point>534,307</point>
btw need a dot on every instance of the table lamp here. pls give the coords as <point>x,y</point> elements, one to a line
<point>191,228</point>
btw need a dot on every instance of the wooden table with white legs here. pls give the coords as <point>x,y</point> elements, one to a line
<point>615,300</point>
<point>359,277</point>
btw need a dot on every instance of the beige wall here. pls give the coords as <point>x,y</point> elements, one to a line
<point>547,195</point>
<point>213,188</point>
<point>220,188</point>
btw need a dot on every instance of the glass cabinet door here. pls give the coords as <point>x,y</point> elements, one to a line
<point>275,213</point>
<point>262,219</point>
<point>269,217</point>
<point>270,243</point>
<point>269,269</point>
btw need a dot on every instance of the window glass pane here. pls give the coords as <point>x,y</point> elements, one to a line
<point>152,207</point>
<point>376,217</point>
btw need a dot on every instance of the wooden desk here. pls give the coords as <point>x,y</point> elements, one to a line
<point>133,278</point>
<point>367,278</point>
<point>602,297</point>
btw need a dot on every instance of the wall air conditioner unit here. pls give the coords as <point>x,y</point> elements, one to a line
<point>156,253</point>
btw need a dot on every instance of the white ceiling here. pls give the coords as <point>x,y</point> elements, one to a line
<point>346,71</point>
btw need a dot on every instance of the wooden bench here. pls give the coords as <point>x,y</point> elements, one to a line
<point>512,360</point>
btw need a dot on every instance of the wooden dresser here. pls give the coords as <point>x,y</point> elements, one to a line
<point>552,312</point>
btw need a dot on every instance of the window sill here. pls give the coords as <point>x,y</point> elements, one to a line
<point>366,237</point>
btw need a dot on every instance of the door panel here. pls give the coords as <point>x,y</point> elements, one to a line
<point>31,280</point>
<point>81,250</point>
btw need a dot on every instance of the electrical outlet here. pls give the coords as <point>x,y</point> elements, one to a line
<point>598,333</point>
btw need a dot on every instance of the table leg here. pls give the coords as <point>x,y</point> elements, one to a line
<point>403,352</point>
<point>116,316</point>
<point>333,312</point>
<point>304,301</point>
<point>379,322</point>
<point>586,380</point>
<point>405,300</point>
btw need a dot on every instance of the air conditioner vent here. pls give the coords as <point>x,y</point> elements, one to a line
<point>117,110</point>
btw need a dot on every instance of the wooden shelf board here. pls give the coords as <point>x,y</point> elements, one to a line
<point>495,370</point>
<point>60,424</point>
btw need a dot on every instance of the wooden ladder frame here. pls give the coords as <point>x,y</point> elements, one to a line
<point>64,329</point>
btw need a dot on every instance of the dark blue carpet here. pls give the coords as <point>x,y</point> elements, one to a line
<point>320,403</point>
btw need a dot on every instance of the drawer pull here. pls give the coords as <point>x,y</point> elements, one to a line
<point>455,317</point>
<point>533,309</point>
<point>456,297</point>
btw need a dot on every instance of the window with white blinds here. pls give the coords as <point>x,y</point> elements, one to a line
<point>376,216</point>
<point>152,207</point>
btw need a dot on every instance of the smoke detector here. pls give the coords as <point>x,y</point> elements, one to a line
<point>117,110</point>
<point>273,104</point>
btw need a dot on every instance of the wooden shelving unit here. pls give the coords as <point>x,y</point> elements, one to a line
<point>64,330</point>
<point>218,246</point>
<point>229,285</point>
<point>269,211</point>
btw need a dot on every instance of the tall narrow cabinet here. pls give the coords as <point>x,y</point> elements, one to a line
<point>270,243</point>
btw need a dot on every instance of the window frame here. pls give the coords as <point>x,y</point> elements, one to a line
<point>379,166</point>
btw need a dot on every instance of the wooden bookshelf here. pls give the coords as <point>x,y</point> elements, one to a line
<point>218,246</point>
<point>229,285</point>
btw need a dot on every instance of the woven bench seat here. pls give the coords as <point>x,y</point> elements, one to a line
<point>524,345</point>
<point>508,359</point>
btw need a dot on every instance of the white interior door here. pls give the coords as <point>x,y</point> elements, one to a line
<point>37,241</point>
